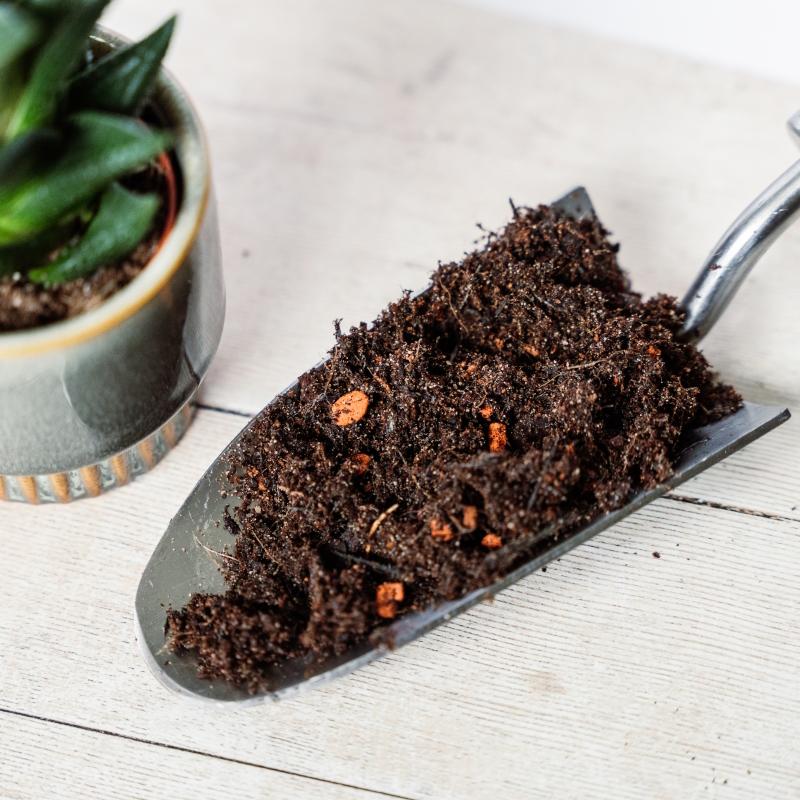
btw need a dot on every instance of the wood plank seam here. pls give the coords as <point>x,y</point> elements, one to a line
<point>192,751</point>
<point>696,501</point>
<point>220,410</point>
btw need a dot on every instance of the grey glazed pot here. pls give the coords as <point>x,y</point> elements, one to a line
<point>91,402</point>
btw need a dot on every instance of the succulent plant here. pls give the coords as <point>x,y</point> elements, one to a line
<point>70,132</point>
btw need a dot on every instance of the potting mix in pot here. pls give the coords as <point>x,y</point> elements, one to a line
<point>526,393</point>
<point>87,193</point>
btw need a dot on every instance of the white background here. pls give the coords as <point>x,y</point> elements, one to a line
<point>761,37</point>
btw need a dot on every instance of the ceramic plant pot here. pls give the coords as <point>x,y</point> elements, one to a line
<point>89,403</point>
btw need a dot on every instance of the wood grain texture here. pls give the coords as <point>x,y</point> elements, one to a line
<point>111,768</point>
<point>356,142</point>
<point>616,669</point>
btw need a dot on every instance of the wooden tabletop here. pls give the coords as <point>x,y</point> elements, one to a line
<point>355,143</point>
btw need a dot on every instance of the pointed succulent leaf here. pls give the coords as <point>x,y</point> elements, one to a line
<point>45,6</point>
<point>18,31</point>
<point>12,84</point>
<point>20,258</point>
<point>122,221</point>
<point>121,80</point>
<point>99,149</point>
<point>25,156</point>
<point>58,56</point>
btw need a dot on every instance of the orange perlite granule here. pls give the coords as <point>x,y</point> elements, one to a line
<point>492,541</point>
<point>360,462</point>
<point>498,438</point>
<point>469,517</point>
<point>387,596</point>
<point>350,408</point>
<point>441,530</point>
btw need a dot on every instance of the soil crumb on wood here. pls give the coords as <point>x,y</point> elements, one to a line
<point>526,393</point>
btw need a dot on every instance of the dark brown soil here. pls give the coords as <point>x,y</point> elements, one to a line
<point>27,305</point>
<point>529,390</point>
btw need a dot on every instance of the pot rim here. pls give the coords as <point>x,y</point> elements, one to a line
<point>191,149</point>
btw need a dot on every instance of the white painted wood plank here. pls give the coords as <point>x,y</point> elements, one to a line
<point>614,668</point>
<point>356,143</point>
<point>764,477</point>
<point>694,28</point>
<point>112,768</point>
<point>339,183</point>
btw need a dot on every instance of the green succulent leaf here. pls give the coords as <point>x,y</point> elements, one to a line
<point>12,83</point>
<point>121,80</point>
<point>45,6</point>
<point>18,31</point>
<point>20,258</point>
<point>25,156</point>
<point>99,148</point>
<point>58,56</point>
<point>122,221</point>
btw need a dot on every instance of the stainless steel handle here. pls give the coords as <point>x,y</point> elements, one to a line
<point>736,253</point>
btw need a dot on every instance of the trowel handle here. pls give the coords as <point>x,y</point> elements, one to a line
<point>737,252</point>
